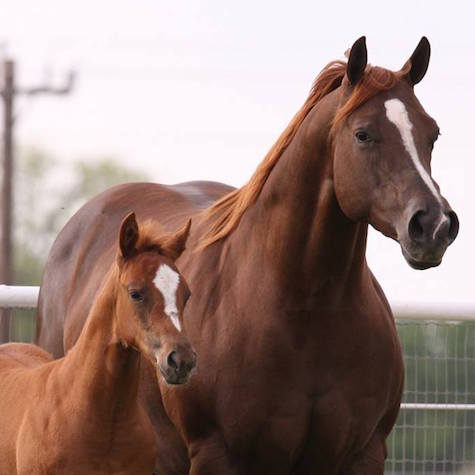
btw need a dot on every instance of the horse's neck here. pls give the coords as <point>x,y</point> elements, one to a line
<point>102,370</point>
<point>296,222</point>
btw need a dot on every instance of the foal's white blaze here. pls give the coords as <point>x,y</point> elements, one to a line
<point>166,280</point>
<point>396,112</point>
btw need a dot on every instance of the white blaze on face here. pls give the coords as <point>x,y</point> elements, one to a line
<point>396,112</point>
<point>166,280</point>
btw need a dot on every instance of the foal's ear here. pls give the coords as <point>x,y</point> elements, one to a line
<point>418,63</point>
<point>357,61</point>
<point>175,244</point>
<point>128,235</point>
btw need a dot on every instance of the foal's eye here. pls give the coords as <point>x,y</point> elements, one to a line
<point>362,136</point>
<point>136,296</point>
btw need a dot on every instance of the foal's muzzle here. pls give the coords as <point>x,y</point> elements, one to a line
<point>427,236</point>
<point>178,364</point>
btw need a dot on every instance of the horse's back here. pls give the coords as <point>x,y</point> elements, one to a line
<point>20,368</point>
<point>14,355</point>
<point>84,250</point>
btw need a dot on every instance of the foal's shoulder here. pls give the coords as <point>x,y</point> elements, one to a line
<point>23,354</point>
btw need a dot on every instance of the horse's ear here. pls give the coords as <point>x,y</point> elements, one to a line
<point>128,235</point>
<point>418,63</point>
<point>357,61</point>
<point>175,244</point>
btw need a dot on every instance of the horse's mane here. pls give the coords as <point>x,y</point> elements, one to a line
<point>226,213</point>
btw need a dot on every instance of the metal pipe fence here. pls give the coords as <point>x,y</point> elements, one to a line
<point>15,296</point>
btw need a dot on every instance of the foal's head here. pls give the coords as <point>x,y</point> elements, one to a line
<point>382,155</point>
<point>151,297</point>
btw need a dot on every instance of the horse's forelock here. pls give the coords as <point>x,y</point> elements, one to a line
<point>374,81</point>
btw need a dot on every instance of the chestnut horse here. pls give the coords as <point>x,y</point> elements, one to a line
<point>80,414</point>
<point>300,366</point>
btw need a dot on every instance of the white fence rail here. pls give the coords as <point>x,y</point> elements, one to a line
<point>15,296</point>
<point>442,312</point>
<point>12,296</point>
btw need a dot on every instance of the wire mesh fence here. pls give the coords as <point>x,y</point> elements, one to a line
<point>440,369</point>
<point>23,325</point>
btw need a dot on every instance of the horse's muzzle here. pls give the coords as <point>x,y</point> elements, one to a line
<point>427,236</point>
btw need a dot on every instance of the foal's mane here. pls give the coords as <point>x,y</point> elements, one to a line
<point>226,213</point>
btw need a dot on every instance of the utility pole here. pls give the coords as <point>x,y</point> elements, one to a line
<point>8,94</point>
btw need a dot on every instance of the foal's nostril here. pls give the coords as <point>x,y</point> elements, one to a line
<point>173,360</point>
<point>454,225</point>
<point>416,228</point>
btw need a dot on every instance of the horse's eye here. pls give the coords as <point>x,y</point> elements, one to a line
<point>362,136</point>
<point>136,296</point>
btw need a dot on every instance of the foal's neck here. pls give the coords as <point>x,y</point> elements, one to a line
<point>104,370</point>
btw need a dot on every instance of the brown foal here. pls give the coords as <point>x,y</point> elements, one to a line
<point>80,414</point>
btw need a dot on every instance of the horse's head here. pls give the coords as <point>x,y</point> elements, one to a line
<point>383,140</point>
<point>151,297</point>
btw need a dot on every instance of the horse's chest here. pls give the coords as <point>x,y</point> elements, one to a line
<point>317,400</point>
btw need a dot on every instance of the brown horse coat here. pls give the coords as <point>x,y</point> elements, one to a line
<point>300,368</point>
<point>80,414</point>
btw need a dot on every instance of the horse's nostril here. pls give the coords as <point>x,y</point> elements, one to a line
<point>454,225</point>
<point>192,363</point>
<point>433,227</point>
<point>173,360</point>
<point>416,229</point>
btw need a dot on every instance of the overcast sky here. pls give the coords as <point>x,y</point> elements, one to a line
<point>201,90</point>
